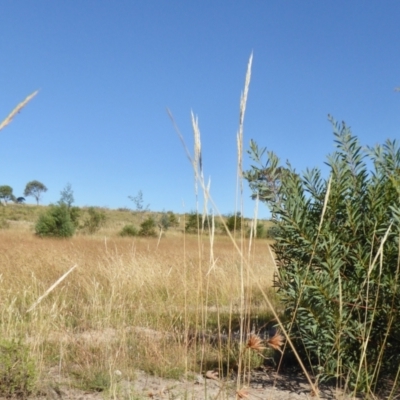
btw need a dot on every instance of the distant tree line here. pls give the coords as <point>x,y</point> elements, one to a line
<point>32,188</point>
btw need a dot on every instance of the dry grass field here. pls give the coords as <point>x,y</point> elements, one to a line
<point>130,304</point>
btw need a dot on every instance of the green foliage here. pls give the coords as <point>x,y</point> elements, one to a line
<point>261,232</point>
<point>75,214</point>
<point>129,230</point>
<point>173,220</point>
<point>6,193</point>
<point>164,222</point>
<point>35,189</point>
<point>17,369</point>
<point>55,222</point>
<point>94,221</point>
<point>168,220</point>
<point>339,276</point>
<point>272,232</point>
<point>67,195</point>
<point>234,222</point>
<point>196,222</point>
<point>139,202</point>
<point>148,227</point>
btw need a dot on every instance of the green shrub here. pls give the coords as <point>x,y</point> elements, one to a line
<point>55,222</point>
<point>195,222</point>
<point>148,227</point>
<point>339,263</point>
<point>165,222</point>
<point>261,232</point>
<point>272,232</point>
<point>173,220</point>
<point>129,230</point>
<point>234,222</point>
<point>94,221</point>
<point>75,214</point>
<point>17,369</point>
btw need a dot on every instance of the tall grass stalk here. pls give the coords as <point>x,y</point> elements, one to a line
<point>17,109</point>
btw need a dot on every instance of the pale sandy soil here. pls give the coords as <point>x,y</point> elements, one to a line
<point>264,384</point>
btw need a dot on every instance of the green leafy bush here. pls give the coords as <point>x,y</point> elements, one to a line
<point>55,222</point>
<point>129,230</point>
<point>196,222</point>
<point>75,214</point>
<point>148,227</point>
<point>17,369</point>
<point>94,221</point>
<point>234,222</point>
<point>339,262</point>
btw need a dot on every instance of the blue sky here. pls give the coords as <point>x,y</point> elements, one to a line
<point>107,71</point>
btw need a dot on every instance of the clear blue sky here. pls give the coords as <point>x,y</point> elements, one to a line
<point>107,71</point>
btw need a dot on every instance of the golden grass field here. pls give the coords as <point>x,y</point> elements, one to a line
<point>130,304</point>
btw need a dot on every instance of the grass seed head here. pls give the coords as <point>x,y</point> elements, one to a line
<point>276,341</point>
<point>255,343</point>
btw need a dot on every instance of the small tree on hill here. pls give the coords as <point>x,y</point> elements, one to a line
<point>67,195</point>
<point>139,202</point>
<point>6,193</point>
<point>35,189</point>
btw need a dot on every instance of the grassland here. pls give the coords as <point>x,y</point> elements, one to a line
<point>130,304</point>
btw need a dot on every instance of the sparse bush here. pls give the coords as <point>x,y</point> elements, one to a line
<point>234,222</point>
<point>55,222</point>
<point>338,261</point>
<point>4,224</point>
<point>129,230</point>
<point>148,227</point>
<point>260,231</point>
<point>272,232</point>
<point>17,369</point>
<point>95,220</point>
<point>164,222</point>
<point>75,214</point>
<point>173,221</point>
<point>196,222</point>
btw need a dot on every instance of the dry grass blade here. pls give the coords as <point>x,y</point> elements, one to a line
<point>51,288</point>
<point>17,109</point>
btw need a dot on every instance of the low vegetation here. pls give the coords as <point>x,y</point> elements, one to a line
<point>128,305</point>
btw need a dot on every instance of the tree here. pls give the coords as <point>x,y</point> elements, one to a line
<point>139,202</point>
<point>6,193</point>
<point>35,189</point>
<point>266,181</point>
<point>67,196</point>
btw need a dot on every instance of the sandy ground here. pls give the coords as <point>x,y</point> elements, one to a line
<point>264,384</point>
